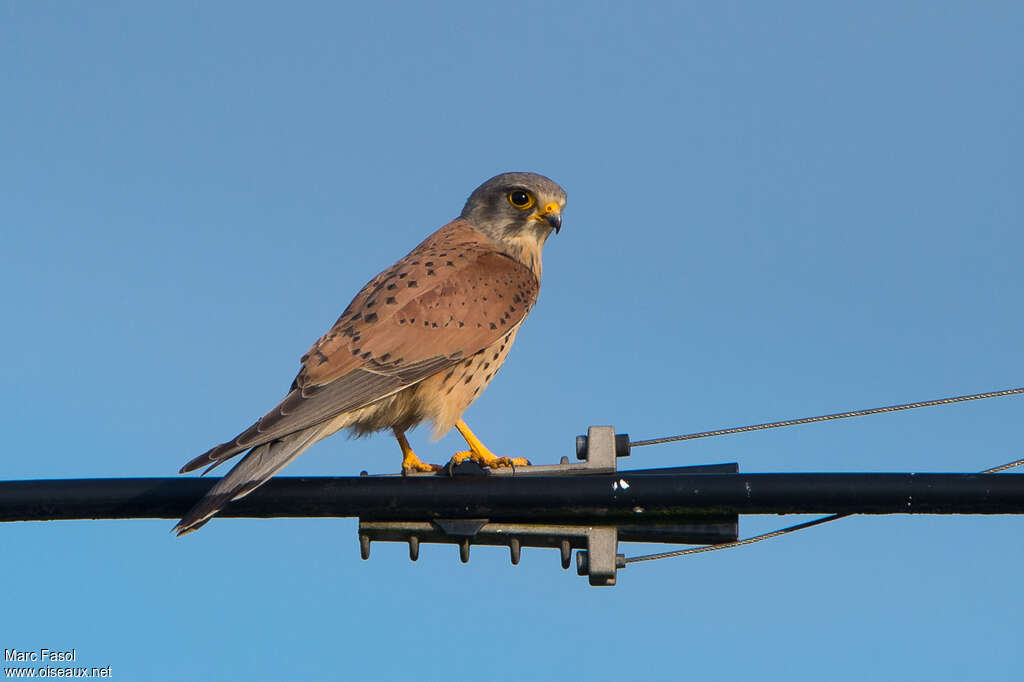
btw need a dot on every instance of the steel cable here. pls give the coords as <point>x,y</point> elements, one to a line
<point>807,420</point>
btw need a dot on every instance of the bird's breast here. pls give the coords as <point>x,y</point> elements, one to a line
<point>443,397</point>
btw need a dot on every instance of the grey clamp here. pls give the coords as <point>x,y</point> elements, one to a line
<point>598,556</point>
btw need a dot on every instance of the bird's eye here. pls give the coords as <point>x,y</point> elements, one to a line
<point>520,199</point>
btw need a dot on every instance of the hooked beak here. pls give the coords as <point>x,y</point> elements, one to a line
<point>552,215</point>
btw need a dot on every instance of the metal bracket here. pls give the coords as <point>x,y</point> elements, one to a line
<point>597,544</point>
<point>596,559</point>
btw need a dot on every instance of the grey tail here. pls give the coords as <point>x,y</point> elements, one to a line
<point>258,465</point>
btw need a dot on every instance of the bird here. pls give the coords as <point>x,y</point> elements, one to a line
<point>418,343</point>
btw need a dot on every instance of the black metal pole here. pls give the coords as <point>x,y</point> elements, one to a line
<point>633,495</point>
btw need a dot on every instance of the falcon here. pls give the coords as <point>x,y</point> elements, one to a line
<point>419,342</point>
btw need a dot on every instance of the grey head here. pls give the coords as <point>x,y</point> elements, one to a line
<point>516,207</point>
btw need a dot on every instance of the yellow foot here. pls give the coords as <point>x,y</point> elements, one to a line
<point>486,458</point>
<point>480,454</point>
<point>411,463</point>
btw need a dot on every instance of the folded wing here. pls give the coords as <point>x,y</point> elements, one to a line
<point>449,298</point>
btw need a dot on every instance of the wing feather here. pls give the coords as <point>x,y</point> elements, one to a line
<point>449,298</point>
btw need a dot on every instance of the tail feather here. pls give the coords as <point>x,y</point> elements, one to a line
<point>251,472</point>
<point>214,456</point>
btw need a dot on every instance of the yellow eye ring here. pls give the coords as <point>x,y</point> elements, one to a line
<point>521,199</point>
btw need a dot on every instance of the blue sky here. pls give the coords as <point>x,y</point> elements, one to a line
<point>775,210</point>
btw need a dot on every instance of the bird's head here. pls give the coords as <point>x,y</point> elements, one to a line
<point>514,207</point>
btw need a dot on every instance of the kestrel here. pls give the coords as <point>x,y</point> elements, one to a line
<point>419,342</point>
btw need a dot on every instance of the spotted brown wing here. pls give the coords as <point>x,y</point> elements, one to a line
<point>449,298</point>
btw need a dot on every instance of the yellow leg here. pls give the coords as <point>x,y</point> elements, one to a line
<point>480,454</point>
<point>410,462</point>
